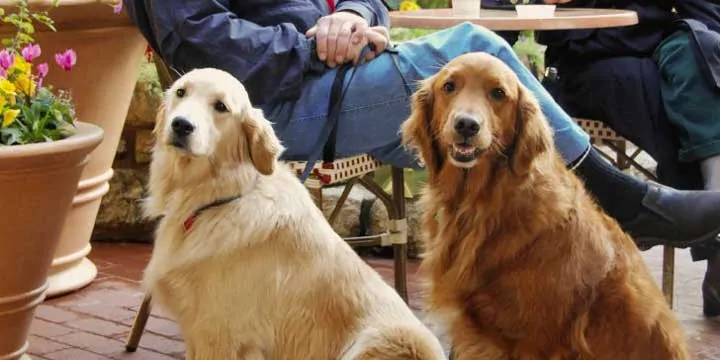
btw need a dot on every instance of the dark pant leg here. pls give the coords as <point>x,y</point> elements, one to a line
<point>510,36</point>
<point>692,103</point>
<point>624,93</point>
<point>691,100</point>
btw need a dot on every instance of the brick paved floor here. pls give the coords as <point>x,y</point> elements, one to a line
<point>94,322</point>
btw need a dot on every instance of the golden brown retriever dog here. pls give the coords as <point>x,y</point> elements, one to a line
<point>521,261</point>
<point>243,259</point>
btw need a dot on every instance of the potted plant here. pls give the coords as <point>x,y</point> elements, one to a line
<point>531,9</point>
<point>43,150</point>
<point>111,50</point>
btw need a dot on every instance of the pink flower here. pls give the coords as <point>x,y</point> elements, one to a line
<point>30,52</point>
<point>6,59</point>
<point>118,8</point>
<point>42,71</point>
<point>66,59</point>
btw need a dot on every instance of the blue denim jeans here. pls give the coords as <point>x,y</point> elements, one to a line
<point>378,100</point>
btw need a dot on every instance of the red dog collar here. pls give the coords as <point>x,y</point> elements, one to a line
<point>190,220</point>
<point>188,223</point>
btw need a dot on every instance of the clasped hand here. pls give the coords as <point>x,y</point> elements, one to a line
<point>341,37</point>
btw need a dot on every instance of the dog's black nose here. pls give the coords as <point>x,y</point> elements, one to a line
<point>466,126</point>
<point>181,126</point>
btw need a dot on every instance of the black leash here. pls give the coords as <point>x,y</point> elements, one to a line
<point>329,133</point>
<point>337,95</point>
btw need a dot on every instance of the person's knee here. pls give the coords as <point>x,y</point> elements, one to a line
<point>675,53</point>
<point>680,40</point>
<point>476,34</point>
<point>452,42</point>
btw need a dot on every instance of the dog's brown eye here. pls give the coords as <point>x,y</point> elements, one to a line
<point>449,87</point>
<point>180,92</point>
<point>497,94</point>
<point>220,107</point>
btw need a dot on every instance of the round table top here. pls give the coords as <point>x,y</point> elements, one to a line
<point>564,19</point>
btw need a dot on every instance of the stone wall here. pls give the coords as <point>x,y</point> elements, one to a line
<point>120,217</point>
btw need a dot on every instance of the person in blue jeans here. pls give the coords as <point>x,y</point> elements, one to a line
<point>288,53</point>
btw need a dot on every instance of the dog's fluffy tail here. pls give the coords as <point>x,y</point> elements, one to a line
<point>396,343</point>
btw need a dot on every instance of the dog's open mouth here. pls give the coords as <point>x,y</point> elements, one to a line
<point>464,153</point>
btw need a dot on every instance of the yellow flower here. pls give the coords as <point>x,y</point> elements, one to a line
<point>7,87</point>
<point>25,84</point>
<point>409,5</point>
<point>8,91</point>
<point>9,117</point>
<point>21,65</point>
<point>3,102</point>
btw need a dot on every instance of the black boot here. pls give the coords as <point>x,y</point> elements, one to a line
<point>711,282</point>
<point>711,296</point>
<point>651,213</point>
<point>677,218</point>
<point>710,169</point>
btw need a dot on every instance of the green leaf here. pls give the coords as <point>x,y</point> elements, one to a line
<point>27,27</point>
<point>44,19</point>
<point>41,16</point>
<point>10,136</point>
<point>12,18</point>
<point>24,39</point>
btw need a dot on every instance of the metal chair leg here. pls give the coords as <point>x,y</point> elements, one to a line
<point>400,247</point>
<point>622,156</point>
<point>141,318</point>
<point>668,274</point>
<point>397,224</point>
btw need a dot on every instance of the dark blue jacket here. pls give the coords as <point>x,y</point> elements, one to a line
<point>575,48</point>
<point>568,47</point>
<point>261,42</point>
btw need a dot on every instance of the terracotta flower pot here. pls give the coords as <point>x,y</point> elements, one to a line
<point>37,185</point>
<point>109,52</point>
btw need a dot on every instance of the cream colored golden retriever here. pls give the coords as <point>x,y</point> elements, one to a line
<point>522,263</point>
<point>243,259</point>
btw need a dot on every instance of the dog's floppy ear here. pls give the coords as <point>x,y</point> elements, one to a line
<point>532,132</point>
<point>263,145</point>
<point>416,131</point>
